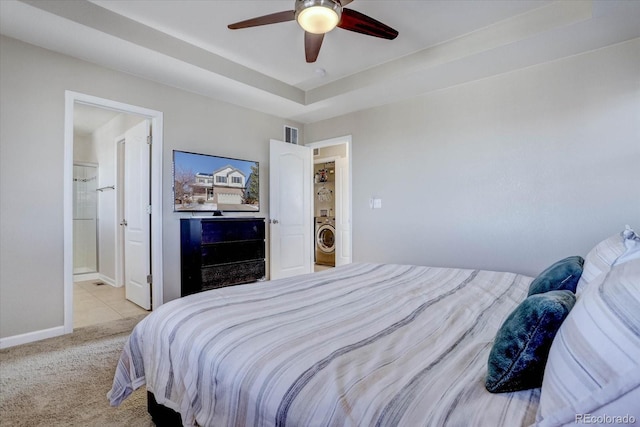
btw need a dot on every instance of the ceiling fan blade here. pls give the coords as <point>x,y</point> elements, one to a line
<point>361,23</point>
<point>274,18</point>
<point>312,44</point>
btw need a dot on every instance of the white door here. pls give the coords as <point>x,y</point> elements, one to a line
<point>137,218</point>
<point>290,188</point>
<point>343,212</point>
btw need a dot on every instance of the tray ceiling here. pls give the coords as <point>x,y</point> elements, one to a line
<point>187,44</point>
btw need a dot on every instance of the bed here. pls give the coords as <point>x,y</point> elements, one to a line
<point>359,345</point>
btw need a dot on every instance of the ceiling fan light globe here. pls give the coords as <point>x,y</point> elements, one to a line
<point>318,16</point>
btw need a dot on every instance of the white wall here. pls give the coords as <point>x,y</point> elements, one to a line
<point>33,83</point>
<point>83,149</point>
<point>508,173</point>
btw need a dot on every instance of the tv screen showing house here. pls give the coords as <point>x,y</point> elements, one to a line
<point>205,183</point>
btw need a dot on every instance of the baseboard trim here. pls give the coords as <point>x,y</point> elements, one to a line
<point>81,277</point>
<point>108,280</point>
<point>31,337</point>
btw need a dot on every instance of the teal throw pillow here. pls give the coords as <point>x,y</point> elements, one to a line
<point>563,274</point>
<point>522,344</point>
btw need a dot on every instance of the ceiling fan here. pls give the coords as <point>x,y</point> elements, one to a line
<point>318,17</point>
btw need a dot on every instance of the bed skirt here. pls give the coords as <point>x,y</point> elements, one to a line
<point>161,415</point>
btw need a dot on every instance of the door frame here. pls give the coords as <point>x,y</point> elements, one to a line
<point>156,118</point>
<point>340,140</point>
<point>119,238</point>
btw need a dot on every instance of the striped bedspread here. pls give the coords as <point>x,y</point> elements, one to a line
<point>358,345</point>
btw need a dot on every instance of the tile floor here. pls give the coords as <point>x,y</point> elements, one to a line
<point>94,304</point>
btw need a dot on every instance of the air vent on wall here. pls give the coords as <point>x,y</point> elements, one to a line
<point>316,151</point>
<point>291,134</point>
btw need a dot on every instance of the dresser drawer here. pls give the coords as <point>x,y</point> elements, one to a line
<point>227,231</point>
<point>221,253</point>
<point>218,276</point>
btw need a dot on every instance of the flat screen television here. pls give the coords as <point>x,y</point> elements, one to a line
<point>208,183</point>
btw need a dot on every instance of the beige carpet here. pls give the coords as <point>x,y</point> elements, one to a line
<point>64,381</point>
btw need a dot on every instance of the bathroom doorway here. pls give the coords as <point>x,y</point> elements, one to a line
<point>98,146</point>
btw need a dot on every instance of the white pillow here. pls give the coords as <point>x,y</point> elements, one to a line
<point>632,245</point>
<point>594,362</point>
<point>605,254</point>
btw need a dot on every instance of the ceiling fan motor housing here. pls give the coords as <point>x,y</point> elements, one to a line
<point>318,17</point>
<point>316,23</point>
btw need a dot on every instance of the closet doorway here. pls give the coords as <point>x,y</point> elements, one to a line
<point>112,240</point>
<point>292,244</point>
<point>332,202</point>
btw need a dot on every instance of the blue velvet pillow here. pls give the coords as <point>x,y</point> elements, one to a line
<point>522,344</point>
<point>563,274</point>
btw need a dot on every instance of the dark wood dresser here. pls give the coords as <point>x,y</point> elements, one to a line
<point>218,252</point>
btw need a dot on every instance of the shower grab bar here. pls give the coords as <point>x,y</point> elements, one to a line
<point>108,187</point>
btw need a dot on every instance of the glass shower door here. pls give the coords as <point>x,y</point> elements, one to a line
<point>85,219</point>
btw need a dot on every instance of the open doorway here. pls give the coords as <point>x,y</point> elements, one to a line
<point>331,202</point>
<point>95,181</point>
<point>291,206</point>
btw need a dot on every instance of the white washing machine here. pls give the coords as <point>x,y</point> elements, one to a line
<point>325,240</point>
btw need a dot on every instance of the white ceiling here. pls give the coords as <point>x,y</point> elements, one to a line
<point>186,44</point>
<point>86,119</point>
